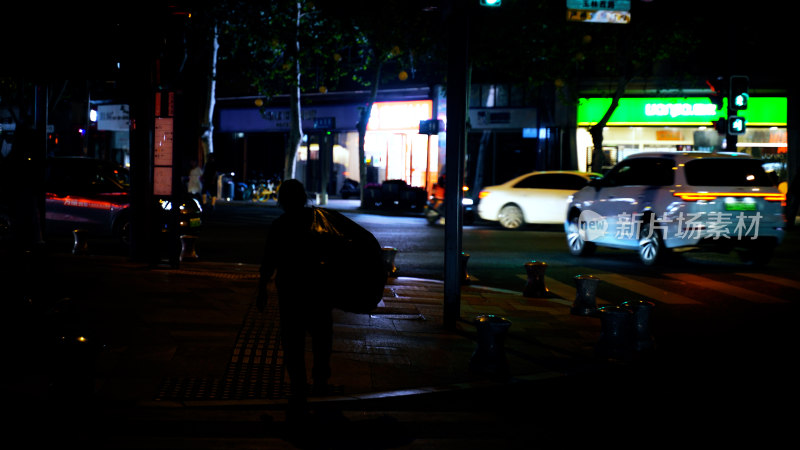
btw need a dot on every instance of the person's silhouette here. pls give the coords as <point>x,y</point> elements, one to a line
<point>290,256</point>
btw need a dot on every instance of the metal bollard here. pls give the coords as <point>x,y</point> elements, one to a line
<point>81,245</point>
<point>585,295</point>
<point>535,287</point>
<point>465,278</point>
<point>490,356</point>
<point>641,309</point>
<point>615,324</point>
<point>188,247</point>
<point>389,254</point>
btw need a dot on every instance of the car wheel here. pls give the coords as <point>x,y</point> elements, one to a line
<point>510,217</point>
<point>651,245</point>
<point>575,242</point>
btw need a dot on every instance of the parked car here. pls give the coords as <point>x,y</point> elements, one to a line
<point>659,201</point>
<point>394,195</point>
<point>533,198</point>
<point>92,194</point>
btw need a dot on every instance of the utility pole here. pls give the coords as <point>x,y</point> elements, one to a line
<point>457,89</point>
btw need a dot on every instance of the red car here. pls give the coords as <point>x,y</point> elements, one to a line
<point>92,194</point>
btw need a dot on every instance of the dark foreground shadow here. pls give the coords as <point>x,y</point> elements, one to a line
<point>329,428</point>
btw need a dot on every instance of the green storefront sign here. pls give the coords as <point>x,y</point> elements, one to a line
<point>679,111</point>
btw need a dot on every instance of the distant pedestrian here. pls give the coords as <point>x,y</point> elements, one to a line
<point>290,256</point>
<point>210,182</point>
<point>194,185</point>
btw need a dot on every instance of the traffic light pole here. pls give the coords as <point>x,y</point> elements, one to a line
<point>457,89</point>
<point>738,96</point>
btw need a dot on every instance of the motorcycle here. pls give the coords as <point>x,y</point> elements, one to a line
<point>434,210</point>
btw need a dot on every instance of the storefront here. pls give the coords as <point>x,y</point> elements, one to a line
<point>682,124</point>
<point>259,140</point>
<point>394,148</point>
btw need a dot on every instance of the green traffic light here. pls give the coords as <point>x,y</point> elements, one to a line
<point>736,125</point>
<point>491,2</point>
<point>738,94</point>
<point>741,101</point>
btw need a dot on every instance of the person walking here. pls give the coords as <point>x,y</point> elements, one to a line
<point>290,255</point>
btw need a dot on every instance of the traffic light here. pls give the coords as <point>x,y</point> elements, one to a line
<point>491,2</point>
<point>738,95</point>
<point>736,125</point>
<point>721,125</point>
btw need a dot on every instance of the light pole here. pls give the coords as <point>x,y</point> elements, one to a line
<point>457,88</point>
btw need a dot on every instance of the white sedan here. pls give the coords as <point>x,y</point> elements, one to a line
<point>533,198</point>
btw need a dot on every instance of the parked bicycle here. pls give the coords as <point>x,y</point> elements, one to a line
<point>267,190</point>
<point>258,189</point>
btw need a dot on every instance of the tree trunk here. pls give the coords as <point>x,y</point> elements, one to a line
<point>295,118</point>
<point>207,138</point>
<point>597,130</point>
<point>362,129</point>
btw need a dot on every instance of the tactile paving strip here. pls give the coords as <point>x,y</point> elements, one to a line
<point>255,371</point>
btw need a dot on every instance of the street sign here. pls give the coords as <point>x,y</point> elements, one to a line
<point>599,11</point>
<point>431,126</point>
<point>325,123</point>
<point>581,15</point>
<point>596,5</point>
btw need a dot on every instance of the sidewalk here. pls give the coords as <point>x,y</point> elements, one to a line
<point>174,347</point>
<point>191,336</point>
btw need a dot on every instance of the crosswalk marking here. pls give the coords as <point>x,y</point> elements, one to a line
<point>567,293</point>
<point>794,284</point>
<point>563,290</point>
<point>647,290</point>
<point>727,289</point>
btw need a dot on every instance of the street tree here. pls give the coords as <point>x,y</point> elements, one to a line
<point>547,53</point>
<point>282,48</point>
<point>385,42</point>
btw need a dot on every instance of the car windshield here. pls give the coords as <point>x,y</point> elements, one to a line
<point>642,172</point>
<point>726,172</point>
<point>567,182</point>
<point>85,177</point>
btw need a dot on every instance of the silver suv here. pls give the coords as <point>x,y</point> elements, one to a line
<point>653,202</point>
